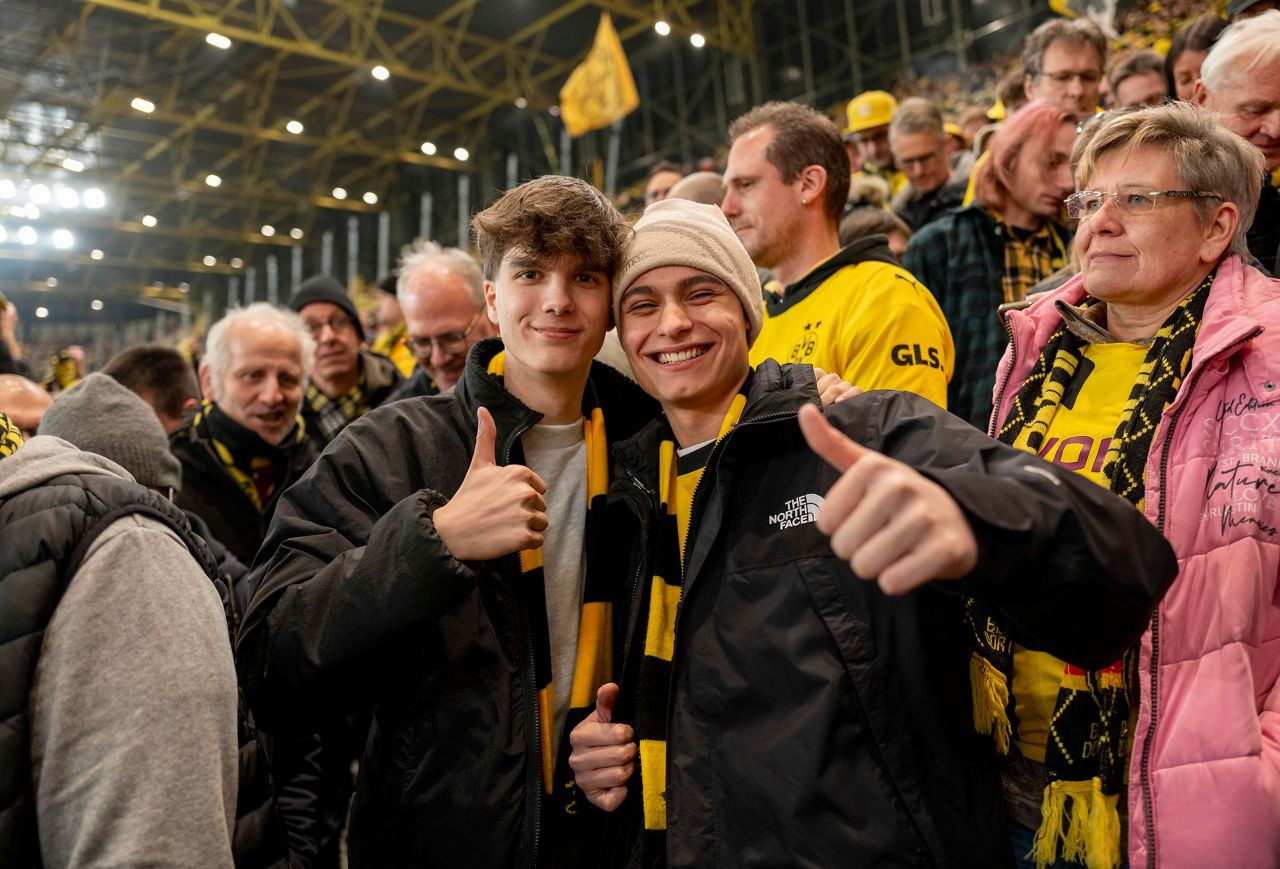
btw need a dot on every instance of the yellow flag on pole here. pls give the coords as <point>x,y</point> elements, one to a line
<point>600,90</point>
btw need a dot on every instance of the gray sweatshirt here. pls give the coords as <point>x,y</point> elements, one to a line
<point>133,706</point>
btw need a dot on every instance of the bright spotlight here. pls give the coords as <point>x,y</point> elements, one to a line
<point>429,148</point>
<point>380,72</point>
<point>295,127</point>
<point>237,263</point>
<point>63,239</point>
<point>663,28</point>
<point>461,154</point>
<point>370,198</point>
<point>148,220</point>
<point>39,194</point>
<point>217,40</point>
<point>339,193</point>
<point>95,254</point>
<point>42,312</point>
<point>94,198</point>
<point>8,189</point>
<point>27,235</point>
<point>96,304</point>
<point>268,230</point>
<point>296,232</point>
<point>697,40</point>
<point>66,197</point>
<point>71,164</point>
<point>210,261</point>
<point>144,106</point>
<point>213,180</point>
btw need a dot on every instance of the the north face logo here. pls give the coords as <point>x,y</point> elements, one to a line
<point>798,511</point>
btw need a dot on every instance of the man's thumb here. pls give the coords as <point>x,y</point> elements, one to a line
<point>606,697</point>
<point>832,446</point>
<point>486,435</point>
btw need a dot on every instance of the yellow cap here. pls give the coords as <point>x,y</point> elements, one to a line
<point>953,130</point>
<point>870,109</point>
<point>996,112</point>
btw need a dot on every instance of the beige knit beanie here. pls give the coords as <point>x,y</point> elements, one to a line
<point>676,232</point>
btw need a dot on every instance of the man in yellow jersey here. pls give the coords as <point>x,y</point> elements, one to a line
<point>793,712</point>
<point>854,312</point>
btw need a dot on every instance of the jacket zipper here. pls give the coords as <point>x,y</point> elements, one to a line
<point>1148,800</point>
<point>1004,382</point>
<point>690,534</point>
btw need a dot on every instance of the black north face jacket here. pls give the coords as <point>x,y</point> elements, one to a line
<point>815,721</point>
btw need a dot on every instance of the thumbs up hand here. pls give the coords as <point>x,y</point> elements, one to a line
<point>890,522</point>
<point>604,753</point>
<point>497,510</point>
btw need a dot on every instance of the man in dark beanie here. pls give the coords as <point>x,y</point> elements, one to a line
<point>347,381</point>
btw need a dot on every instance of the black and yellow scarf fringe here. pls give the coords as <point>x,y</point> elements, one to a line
<point>665,587</point>
<point>241,452</point>
<point>1085,751</point>
<point>593,663</point>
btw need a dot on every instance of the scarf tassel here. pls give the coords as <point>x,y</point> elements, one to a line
<point>990,701</point>
<point>1084,819</point>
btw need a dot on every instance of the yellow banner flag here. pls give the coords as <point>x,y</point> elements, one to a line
<point>600,90</point>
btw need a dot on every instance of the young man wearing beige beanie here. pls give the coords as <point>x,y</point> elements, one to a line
<point>793,713</point>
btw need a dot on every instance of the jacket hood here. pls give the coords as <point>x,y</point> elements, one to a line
<point>45,457</point>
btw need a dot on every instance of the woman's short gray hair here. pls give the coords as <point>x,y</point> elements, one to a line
<point>1208,158</point>
<point>217,354</point>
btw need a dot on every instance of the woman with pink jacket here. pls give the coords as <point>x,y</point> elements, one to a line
<point>1157,372</point>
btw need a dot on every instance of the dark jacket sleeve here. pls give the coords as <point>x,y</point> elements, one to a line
<point>350,565</point>
<point>1073,570</point>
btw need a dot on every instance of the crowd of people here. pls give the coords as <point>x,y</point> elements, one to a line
<point>905,494</point>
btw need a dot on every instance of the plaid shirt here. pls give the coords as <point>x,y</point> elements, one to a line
<point>962,258</point>
<point>332,414</point>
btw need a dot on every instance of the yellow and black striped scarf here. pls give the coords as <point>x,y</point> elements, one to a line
<point>593,663</point>
<point>678,481</point>
<point>10,436</point>
<point>333,414</point>
<point>254,465</point>
<point>1085,751</point>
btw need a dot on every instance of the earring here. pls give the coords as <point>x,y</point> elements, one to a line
<point>804,200</point>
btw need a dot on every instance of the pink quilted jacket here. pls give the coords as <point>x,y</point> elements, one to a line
<point>1204,778</point>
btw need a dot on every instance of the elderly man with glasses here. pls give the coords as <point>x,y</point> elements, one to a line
<point>441,291</point>
<point>1154,372</point>
<point>347,381</point>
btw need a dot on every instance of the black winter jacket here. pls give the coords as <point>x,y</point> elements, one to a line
<point>815,721</point>
<point>358,604</point>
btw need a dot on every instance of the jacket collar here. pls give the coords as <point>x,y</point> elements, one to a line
<point>873,248</point>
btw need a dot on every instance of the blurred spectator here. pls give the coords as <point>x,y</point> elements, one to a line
<point>24,402</point>
<point>11,361</point>
<point>347,381</point>
<point>869,114</point>
<point>104,417</point>
<point>1137,79</point>
<point>851,311</point>
<point>1240,81</point>
<point>662,177</point>
<point>441,291</point>
<point>704,187</point>
<point>245,443</point>
<point>1189,48</point>
<point>1011,95</point>
<point>971,121</point>
<point>161,377</point>
<point>390,340</point>
<point>866,220</point>
<point>994,250</point>
<point>119,744</point>
<point>1062,62</point>
<point>922,150</point>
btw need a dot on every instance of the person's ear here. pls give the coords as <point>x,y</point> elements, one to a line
<point>491,301</point>
<point>813,183</point>
<point>1219,229</point>
<point>206,383</point>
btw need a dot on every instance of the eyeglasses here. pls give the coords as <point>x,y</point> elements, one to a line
<point>880,135</point>
<point>1087,203</point>
<point>904,162</point>
<point>449,343</point>
<point>338,326</point>
<point>1066,76</point>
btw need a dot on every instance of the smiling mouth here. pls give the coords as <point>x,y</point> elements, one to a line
<point>672,358</point>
